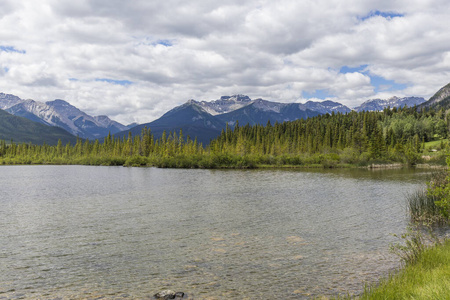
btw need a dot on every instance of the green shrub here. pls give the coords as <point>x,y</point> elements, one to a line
<point>439,190</point>
<point>136,161</point>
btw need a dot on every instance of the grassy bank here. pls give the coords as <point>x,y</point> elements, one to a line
<point>427,278</point>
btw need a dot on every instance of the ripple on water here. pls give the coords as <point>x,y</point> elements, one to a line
<point>129,232</point>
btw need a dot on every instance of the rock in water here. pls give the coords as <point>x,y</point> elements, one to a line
<point>168,294</point>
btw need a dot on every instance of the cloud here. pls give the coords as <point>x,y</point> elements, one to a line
<point>135,60</point>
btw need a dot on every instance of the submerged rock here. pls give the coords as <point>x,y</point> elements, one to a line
<point>168,294</point>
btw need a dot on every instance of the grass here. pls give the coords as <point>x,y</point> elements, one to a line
<point>435,152</point>
<point>435,144</point>
<point>423,208</point>
<point>427,278</point>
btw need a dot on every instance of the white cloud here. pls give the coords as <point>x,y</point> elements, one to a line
<point>172,51</point>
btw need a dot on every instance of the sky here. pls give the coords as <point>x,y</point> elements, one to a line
<point>135,60</point>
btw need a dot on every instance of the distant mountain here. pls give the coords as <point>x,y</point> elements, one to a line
<point>379,104</point>
<point>439,100</point>
<point>7,100</point>
<point>26,108</point>
<point>225,104</point>
<point>205,120</point>
<point>131,125</point>
<point>22,130</point>
<point>261,111</point>
<point>190,117</point>
<point>327,106</point>
<point>62,114</point>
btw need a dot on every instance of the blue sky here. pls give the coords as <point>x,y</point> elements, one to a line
<point>379,83</point>
<point>134,61</point>
<point>318,94</point>
<point>114,81</point>
<point>10,49</point>
<point>384,14</point>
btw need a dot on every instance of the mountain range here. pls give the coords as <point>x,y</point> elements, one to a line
<point>61,114</point>
<point>203,120</point>
<point>380,104</point>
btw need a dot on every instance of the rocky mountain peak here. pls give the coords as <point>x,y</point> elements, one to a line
<point>327,106</point>
<point>192,102</point>
<point>59,102</point>
<point>268,106</point>
<point>225,104</point>
<point>442,95</point>
<point>63,105</point>
<point>236,98</point>
<point>8,100</point>
<point>62,114</point>
<point>379,104</point>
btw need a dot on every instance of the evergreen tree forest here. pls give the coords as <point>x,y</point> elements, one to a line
<point>336,140</point>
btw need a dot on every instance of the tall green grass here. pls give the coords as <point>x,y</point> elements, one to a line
<point>422,208</point>
<point>427,278</point>
<point>422,203</point>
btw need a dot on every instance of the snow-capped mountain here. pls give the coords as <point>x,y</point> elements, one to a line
<point>327,106</point>
<point>261,111</point>
<point>228,104</point>
<point>198,119</point>
<point>379,104</point>
<point>33,111</point>
<point>62,114</point>
<point>224,104</point>
<point>7,100</point>
<point>191,118</point>
<point>205,120</point>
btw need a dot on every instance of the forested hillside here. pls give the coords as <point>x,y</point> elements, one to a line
<point>23,130</point>
<point>397,135</point>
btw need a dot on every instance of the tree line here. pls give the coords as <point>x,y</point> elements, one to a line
<point>355,138</point>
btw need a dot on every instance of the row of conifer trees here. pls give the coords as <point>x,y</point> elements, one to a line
<point>393,135</point>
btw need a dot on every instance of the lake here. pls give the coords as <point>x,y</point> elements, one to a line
<point>126,233</point>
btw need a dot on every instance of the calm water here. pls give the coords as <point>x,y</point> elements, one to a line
<point>113,232</point>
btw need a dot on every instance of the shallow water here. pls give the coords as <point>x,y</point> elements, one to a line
<point>113,232</point>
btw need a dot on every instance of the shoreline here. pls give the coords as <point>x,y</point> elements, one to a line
<point>427,278</point>
<point>126,163</point>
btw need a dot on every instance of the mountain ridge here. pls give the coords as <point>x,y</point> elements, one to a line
<point>62,114</point>
<point>380,104</point>
<point>229,110</point>
<point>205,120</point>
<point>201,119</point>
<point>23,130</point>
<point>190,117</point>
<point>441,99</point>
